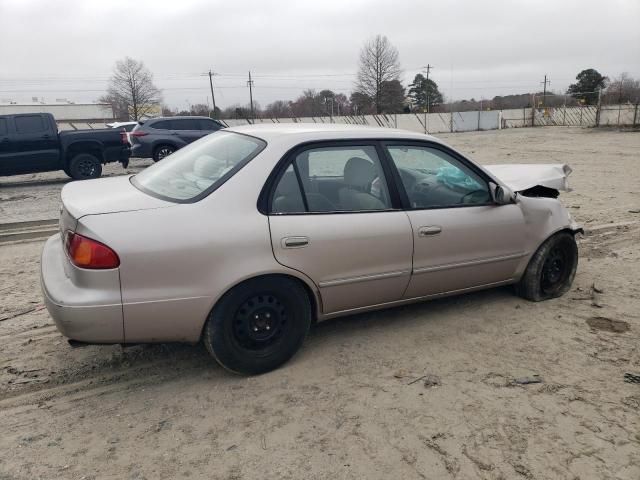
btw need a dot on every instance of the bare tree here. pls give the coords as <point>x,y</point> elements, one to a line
<point>131,85</point>
<point>622,89</point>
<point>278,109</point>
<point>379,64</point>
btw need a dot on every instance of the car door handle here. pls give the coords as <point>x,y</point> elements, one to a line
<point>429,230</point>
<point>295,242</point>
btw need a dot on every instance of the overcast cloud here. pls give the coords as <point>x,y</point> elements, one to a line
<point>67,48</point>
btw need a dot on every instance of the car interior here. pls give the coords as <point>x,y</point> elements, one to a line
<point>352,180</point>
<point>332,181</point>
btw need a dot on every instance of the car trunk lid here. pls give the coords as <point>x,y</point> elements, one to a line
<point>105,195</point>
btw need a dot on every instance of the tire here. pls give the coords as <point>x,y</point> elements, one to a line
<point>163,151</point>
<point>258,325</point>
<point>84,166</point>
<point>551,269</point>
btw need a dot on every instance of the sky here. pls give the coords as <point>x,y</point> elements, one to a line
<point>67,48</point>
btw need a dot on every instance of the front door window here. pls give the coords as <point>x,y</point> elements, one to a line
<point>434,179</point>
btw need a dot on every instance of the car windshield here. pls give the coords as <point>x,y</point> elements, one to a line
<point>198,169</point>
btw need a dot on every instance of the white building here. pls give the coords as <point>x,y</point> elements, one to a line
<point>63,112</point>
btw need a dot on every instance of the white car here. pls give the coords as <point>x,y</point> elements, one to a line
<point>246,237</point>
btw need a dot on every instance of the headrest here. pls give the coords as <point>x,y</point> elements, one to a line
<point>359,172</point>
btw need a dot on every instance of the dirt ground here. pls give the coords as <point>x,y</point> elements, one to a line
<point>424,391</point>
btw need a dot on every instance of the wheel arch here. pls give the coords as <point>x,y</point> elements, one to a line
<point>573,230</point>
<point>312,292</point>
<point>91,147</point>
<point>163,143</point>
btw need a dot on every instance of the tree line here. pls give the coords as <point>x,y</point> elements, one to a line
<point>378,90</point>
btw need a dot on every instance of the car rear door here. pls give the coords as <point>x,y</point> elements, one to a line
<point>34,143</point>
<point>208,126</point>
<point>354,243</point>
<point>462,239</point>
<point>187,129</point>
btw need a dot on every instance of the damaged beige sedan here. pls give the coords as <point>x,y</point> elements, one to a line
<point>246,237</point>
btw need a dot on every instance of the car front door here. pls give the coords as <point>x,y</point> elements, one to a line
<point>333,217</point>
<point>462,239</point>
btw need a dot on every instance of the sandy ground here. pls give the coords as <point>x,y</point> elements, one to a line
<point>423,391</point>
<point>37,196</point>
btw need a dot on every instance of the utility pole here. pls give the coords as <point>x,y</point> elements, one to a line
<point>619,100</point>
<point>544,91</point>
<point>428,67</point>
<point>326,99</point>
<point>213,98</point>
<point>250,83</point>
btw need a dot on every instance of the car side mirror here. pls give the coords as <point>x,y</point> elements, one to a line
<point>501,195</point>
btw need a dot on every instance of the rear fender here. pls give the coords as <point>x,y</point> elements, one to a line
<point>92,147</point>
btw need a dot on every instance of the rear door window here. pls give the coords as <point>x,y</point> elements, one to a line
<point>186,124</point>
<point>333,179</point>
<point>209,125</point>
<point>29,124</point>
<point>162,125</point>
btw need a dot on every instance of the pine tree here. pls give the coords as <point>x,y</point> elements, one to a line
<point>423,92</point>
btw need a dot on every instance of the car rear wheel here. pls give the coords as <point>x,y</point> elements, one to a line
<point>84,166</point>
<point>551,270</point>
<point>162,151</point>
<point>258,325</point>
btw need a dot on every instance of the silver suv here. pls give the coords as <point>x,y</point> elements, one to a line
<point>159,137</point>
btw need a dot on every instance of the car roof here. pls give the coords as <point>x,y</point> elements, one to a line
<point>181,117</point>
<point>326,131</point>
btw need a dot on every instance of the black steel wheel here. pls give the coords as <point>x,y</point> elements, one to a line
<point>551,270</point>
<point>555,270</point>
<point>258,325</point>
<point>163,151</point>
<point>260,322</point>
<point>84,166</point>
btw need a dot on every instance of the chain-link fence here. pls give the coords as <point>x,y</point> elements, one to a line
<point>574,116</point>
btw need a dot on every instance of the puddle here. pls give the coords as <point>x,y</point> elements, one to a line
<point>608,324</point>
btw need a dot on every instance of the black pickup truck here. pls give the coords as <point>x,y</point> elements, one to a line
<point>30,143</point>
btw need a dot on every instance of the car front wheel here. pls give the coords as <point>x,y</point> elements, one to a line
<point>258,325</point>
<point>551,270</point>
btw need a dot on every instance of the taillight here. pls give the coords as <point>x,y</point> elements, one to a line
<point>123,137</point>
<point>138,134</point>
<point>88,253</point>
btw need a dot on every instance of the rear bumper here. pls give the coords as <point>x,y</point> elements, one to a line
<point>141,150</point>
<point>88,313</point>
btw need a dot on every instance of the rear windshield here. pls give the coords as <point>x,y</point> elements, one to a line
<point>196,170</point>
